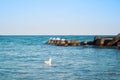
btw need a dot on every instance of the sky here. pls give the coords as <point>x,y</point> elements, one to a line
<point>59,17</point>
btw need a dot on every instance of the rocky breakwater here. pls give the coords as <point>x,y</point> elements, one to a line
<point>104,41</point>
<point>63,42</point>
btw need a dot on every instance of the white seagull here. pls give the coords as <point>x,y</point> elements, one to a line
<point>63,39</point>
<point>58,39</point>
<point>54,39</point>
<point>50,38</point>
<point>48,62</point>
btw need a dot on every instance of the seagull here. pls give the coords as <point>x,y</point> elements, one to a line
<point>50,38</point>
<point>54,39</point>
<point>48,62</point>
<point>58,39</point>
<point>63,39</point>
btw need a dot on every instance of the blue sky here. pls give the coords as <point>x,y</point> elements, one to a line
<point>60,17</point>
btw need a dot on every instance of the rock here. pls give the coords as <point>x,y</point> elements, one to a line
<point>69,42</point>
<point>58,43</point>
<point>118,36</point>
<point>90,43</point>
<point>114,41</point>
<point>62,43</point>
<point>103,41</point>
<point>51,42</point>
<point>66,44</point>
<point>98,42</point>
<point>75,43</point>
<point>84,43</point>
<point>96,38</point>
<point>118,45</point>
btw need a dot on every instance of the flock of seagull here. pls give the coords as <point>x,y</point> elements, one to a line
<point>57,39</point>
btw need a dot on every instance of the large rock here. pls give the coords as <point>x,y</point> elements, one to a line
<point>114,41</point>
<point>103,41</point>
<point>96,38</point>
<point>75,43</point>
<point>62,43</point>
<point>84,43</point>
<point>58,43</point>
<point>118,36</point>
<point>90,42</point>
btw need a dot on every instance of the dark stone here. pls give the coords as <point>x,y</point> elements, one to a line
<point>118,45</point>
<point>106,42</point>
<point>103,41</point>
<point>84,43</point>
<point>96,38</point>
<point>114,41</point>
<point>90,43</point>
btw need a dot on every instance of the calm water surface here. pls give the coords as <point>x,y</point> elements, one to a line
<point>22,58</point>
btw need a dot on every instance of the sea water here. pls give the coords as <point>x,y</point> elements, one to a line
<point>22,58</point>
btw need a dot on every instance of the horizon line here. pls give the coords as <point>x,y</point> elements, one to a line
<point>52,34</point>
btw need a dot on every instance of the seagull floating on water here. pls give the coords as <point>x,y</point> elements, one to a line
<point>48,62</point>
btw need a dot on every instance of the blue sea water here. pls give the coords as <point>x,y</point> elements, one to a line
<point>22,58</point>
